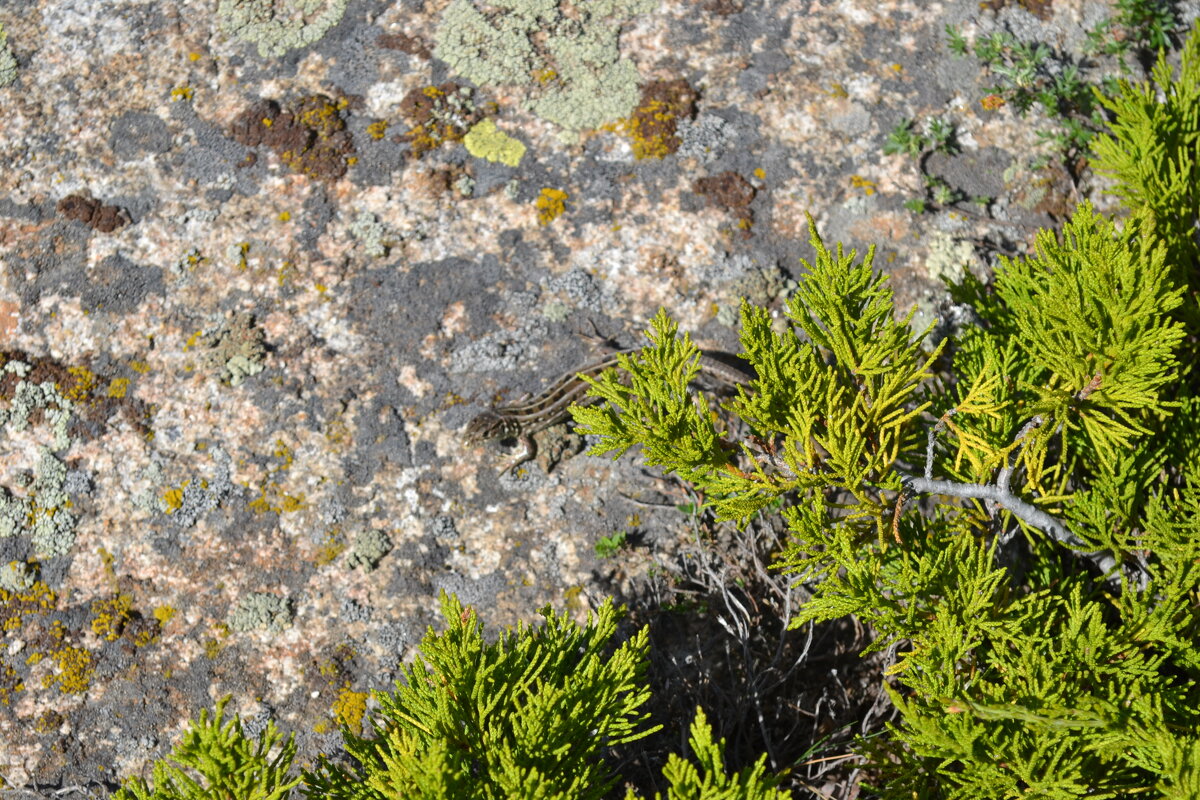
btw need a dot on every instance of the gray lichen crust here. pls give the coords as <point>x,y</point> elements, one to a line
<point>370,546</point>
<point>8,64</point>
<point>261,611</point>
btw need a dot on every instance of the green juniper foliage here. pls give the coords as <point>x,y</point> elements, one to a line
<point>1015,512</point>
<point>228,764</point>
<point>1044,602</point>
<point>525,717</point>
<point>709,781</point>
<point>1153,152</point>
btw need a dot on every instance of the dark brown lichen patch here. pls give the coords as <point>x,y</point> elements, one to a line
<point>652,126</point>
<point>731,192</point>
<point>411,45</point>
<point>724,7</point>
<point>1042,9</point>
<point>93,213</point>
<point>437,114</point>
<point>93,398</point>
<point>311,138</point>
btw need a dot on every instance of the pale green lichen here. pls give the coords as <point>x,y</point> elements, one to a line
<point>575,69</point>
<point>368,230</point>
<point>17,576</point>
<point>8,64</point>
<point>485,140</point>
<point>238,349</point>
<point>370,546</point>
<point>28,397</point>
<point>948,258</point>
<point>261,610</point>
<point>278,26</point>
<point>44,513</point>
<point>491,54</point>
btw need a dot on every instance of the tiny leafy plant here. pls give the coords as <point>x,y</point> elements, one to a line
<point>1152,151</point>
<point>1136,25</point>
<point>1032,75</point>
<point>609,546</point>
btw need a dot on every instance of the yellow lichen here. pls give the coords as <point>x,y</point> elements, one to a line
<point>85,381</point>
<point>212,648</point>
<point>14,606</point>
<point>485,140</point>
<point>350,708</point>
<point>172,499</point>
<point>377,130</point>
<point>859,182</point>
<point>118,387</point>
<point>112,614</point>
<point>164,614</point>
<point>74,670</point>
<point>551,203</point>
<point>272,500</point>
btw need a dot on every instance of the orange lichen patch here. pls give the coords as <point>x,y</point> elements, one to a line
<point>652,126</point>
<point>551,203</point>
<point>992,102</point>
